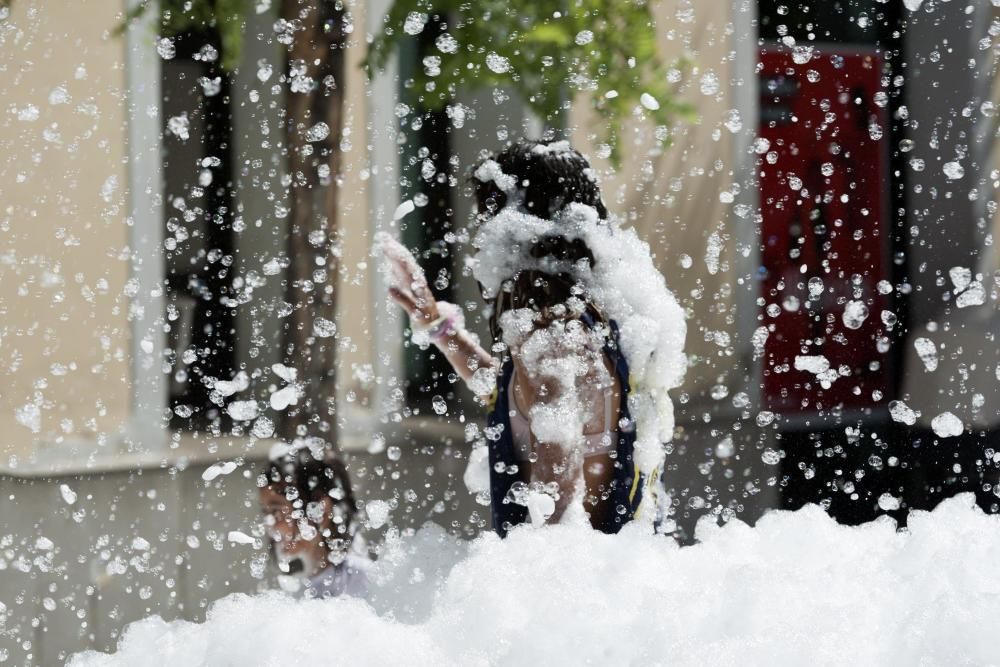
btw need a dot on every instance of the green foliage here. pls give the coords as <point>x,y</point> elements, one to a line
<point>545,50</point>
<point>179,17</point>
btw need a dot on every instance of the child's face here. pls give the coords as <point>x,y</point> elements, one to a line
<point>293,531</point>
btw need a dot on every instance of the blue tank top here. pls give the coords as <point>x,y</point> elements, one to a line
<point>626,486</point>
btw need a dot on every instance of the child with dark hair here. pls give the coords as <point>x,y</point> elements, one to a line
<point>578,314</point>
<point>310,514</point>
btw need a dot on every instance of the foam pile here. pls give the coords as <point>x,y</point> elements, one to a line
<point>796,589</point>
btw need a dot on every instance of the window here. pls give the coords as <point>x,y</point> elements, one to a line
<point>199,239</point>
<point>224,226</point>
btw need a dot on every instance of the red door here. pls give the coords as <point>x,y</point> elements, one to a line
<point>823,187</point>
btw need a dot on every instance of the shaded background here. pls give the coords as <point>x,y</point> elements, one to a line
<point>105,516</point>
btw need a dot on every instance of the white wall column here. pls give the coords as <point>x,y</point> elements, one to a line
<point>145,217</point>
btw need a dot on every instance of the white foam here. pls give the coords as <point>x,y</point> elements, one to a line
<point>489,170</point>
<point>217,469</point>
<point>569,595</point>
<point>902,413</point>
<point>947,425</point>
<point>243,410</point>
<point>240,382</point>
<point>819,366</point>
<point>403,210</point>
<point>855,314</point>
<point>378,513</point>
<point>477,472</point>
<point>927,352</point>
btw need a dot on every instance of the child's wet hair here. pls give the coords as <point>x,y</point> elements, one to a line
<point>310,474</point>
<point>550,175</point>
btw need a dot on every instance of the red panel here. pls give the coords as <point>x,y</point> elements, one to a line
<point>824,204</point>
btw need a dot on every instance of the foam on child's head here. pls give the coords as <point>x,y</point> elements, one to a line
<point>541,178</point>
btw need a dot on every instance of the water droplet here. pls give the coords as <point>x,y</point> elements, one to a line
<point>324,328</point>
<point>855,314</point>
<point>243,411</point>
<point>927,353</point>
<point>815,287</point>
<point>497,63</point>
<point>263,428</point>
<point>58,96</point>
<point>318,132</point>
<point>953,170</point>
<point>68,494</point>
<point>178,126</point>
<point>947,425</point>
<point>734,121</point>
<point>802,54</point>
<point>415,22</point>
<point>709,84</point>
<point>210,87</point>
<point>719,392</point>
<point>377,444</point>
<point>902,413</point>
<point>888,502</point>
<point>446,43</point>
<point>264,70</point>
<point>165,47</point>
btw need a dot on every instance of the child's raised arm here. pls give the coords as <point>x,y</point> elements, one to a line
<point>438,322</point>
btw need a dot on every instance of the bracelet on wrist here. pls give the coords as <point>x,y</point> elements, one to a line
<point>448,322</point>
<point>442,327</point>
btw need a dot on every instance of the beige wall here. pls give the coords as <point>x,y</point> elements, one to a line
<point>671,196</point>
<point>63,316</point>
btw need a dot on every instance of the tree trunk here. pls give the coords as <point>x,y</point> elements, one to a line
<point>315,95</point>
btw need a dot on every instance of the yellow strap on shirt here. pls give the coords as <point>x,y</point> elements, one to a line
<point>635,487</point>
<point>648,495</point>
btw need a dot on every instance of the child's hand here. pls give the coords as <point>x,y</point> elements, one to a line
<point>409,285</point>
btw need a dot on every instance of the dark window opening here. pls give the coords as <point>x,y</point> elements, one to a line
<point>428,178</point>
<point>199,240</point>
<point>825,21</point>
